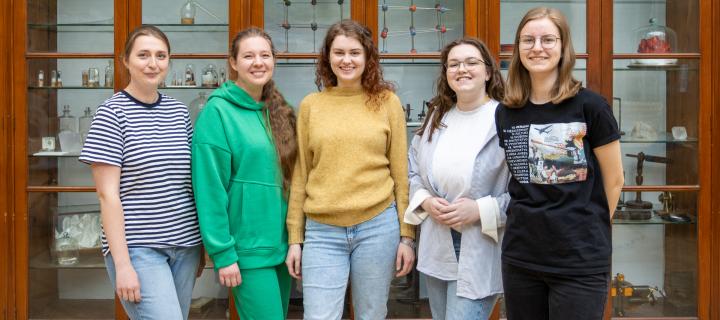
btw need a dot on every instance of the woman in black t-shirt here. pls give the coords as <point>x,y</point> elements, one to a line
<point>562,146</point>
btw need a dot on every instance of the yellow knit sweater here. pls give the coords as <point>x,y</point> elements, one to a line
<point>352,161</point>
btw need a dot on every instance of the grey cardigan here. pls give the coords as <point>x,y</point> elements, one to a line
<point>478,272</point>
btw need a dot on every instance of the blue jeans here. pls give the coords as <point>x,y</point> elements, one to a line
<point>446,305</point>
<point>364,252</point>
<point>167,278</point>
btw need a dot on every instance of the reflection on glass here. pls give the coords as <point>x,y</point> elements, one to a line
<point>300,26</point>
<point>657,22</point>
<point>512,11</point>
<point>70,26</point>
<point>419,26</point>
<point>192,26</point>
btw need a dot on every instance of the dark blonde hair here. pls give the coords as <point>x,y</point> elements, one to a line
<point>519,86</point>
<point>446,98</point>
<point>282,117</point>
<point>143,30</point>
<point>372,77</point>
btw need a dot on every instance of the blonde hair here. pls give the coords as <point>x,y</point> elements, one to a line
<point>519,86</point>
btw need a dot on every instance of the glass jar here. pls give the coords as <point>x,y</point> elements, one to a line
<point>187,13</point>
<point>210,76</point>
<point>655,38</point>
<point>189,75</point>
<point>197,105</point>
<point>67,251</point>
<point>67,121</point>
<point>93,77</point>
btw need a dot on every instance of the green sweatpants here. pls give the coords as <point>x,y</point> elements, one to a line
<point>263,294</point>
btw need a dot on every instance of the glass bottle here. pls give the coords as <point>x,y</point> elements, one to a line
<point>187,13</point>
<point>209,76</point>
<point>58,81</point>
<point>197,105</point>
<point>66,250</point>
<point>84,123</point>
<point>53,78</point>
<point>67,121</point>
<point>85,78</point>
<point>189,75</point>
<point>109,74</point>
<point>223,77</point>
<point>41,78</point>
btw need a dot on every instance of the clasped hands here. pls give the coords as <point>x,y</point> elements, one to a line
<point>460,212</point>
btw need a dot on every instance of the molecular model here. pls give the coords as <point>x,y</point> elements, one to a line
<point>440,29</point>
<point>286,25</point>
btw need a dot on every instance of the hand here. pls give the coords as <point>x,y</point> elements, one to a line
<point>435,206</point>
<point>127,283</point>
<point>201,265</point>
<point>230,276</point>
<point>404,260</point>
<point>461,212</point>
<point>293,261</point>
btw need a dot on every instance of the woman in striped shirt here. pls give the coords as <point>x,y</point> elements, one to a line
<point>139,149</point>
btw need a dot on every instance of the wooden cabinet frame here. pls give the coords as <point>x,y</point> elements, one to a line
<point>482,19</point>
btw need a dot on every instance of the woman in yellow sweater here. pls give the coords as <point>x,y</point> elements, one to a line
<point>349,183</point>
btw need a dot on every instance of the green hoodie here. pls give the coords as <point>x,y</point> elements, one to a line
<point>237,182</point>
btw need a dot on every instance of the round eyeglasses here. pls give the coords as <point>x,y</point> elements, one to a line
<point>470,64</point>
<point>547,41</point>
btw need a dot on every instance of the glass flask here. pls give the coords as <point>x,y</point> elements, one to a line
<point>187,13</point>
<point>67,251</point>
<point>41,78</point>
<point>67,121</point>
<point>197,105</point>
<point>655,38</point>
<point>209,76</point>
<point>53,78</point>
<point>109,74</point>
<point>84,123</point>
<point>58,81</point>
<point>189,75</point>
<point>85,78</point>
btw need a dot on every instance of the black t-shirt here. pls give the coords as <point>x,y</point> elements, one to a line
<point>558,217</point>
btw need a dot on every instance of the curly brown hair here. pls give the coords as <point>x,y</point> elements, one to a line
<point>372,77</point>
<point>446,98</point>
<point>281,115</point>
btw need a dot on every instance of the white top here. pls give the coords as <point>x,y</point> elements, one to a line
<point>458,147</point>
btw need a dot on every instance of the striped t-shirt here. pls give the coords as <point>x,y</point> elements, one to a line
<point>151,145</point>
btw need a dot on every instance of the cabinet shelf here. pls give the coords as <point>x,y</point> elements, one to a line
<point>663,137</point>
<point>73,27</point>
<point>205,27</point>
<point>89,259</point>
<point>654,219</point>
<point>69,88</point>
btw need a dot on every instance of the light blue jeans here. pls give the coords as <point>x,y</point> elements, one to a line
<point>167,278</point>
<point>364,252</point>
<point>446,305</point>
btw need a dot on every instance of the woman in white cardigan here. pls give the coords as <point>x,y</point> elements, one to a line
<point>458,185</point>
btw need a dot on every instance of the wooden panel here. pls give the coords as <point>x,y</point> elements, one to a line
<point>20,227</point>
<point>709,232</point>
<point>471,18</point>
<point>5,103</point>
<point>593,40</point>
<point>604,52</point>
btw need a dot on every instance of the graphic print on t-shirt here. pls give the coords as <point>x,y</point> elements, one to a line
<point>556,154</point>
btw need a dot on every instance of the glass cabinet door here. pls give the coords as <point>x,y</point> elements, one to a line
<point>198,31</point>
<point>66,272</point>
<point>656,103</point>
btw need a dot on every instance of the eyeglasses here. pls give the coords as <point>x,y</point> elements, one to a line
<point>547,41</point>
<point>469,63</point>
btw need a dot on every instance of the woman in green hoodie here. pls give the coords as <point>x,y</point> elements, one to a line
<point>243,152</point>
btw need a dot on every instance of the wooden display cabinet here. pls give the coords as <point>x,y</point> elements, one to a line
<point>71,35</point>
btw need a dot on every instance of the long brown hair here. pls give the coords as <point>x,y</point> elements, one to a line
<point>143,30</point>
<point>519,85</point>
<point>446,98</point>
<point>281,115</point>
<point>372,77</point>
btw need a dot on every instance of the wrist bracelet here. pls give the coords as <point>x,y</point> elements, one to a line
<point>408,242</point>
